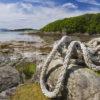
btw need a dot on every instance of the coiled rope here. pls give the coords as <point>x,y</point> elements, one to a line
<point>74,45</point>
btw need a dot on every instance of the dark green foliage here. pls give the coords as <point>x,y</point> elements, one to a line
<point>88,23</point>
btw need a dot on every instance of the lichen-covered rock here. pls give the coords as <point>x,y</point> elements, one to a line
<point>9,77</point>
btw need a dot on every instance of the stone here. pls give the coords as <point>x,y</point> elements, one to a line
<point>9,77</point>
<point>5,95</point>
<point>80,84</point>
<point>84,84</point>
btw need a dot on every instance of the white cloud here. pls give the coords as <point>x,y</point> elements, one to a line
<point>69,5</point>
<point>93,2</point>
<point>21,15</point>
<point>37,1</point>
<point>43,2</point>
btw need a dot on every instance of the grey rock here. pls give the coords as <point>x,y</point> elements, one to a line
<point>80,83</point>
<point>84,84</point>
<point>5,95</point>
<point>9,77</point>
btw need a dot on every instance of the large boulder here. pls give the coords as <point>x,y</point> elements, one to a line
<point>9,77</point>
<point>83,84</point>
<point>80,83</point>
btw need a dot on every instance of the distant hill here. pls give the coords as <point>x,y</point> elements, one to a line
<point>88,23</point>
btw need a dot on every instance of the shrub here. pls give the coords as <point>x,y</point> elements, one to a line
<point>27,68</point>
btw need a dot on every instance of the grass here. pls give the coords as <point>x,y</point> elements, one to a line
<point>27,68</point>
<point>28,92</point>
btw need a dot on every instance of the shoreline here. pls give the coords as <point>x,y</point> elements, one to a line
<point>60,33</point>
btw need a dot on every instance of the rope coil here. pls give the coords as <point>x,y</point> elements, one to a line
<point>73,45</point>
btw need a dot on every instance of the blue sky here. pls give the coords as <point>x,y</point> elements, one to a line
<point>37,13</point>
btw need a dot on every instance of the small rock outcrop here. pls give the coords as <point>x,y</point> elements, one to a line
<point>9,77</point>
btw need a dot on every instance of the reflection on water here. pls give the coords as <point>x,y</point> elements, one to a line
<point>17,36</point>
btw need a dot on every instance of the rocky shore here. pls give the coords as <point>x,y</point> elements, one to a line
<point>21,62</point>
<point>16,54</point>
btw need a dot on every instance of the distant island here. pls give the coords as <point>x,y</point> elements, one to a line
<point>88,23</point>
<point>22,29</point>
<point>4,30</point>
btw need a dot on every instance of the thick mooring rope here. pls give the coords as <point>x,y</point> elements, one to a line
<point>73,45</point>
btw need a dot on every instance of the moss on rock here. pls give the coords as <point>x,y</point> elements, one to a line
<point>28,92</point>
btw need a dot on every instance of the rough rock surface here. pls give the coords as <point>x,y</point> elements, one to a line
<point>81,83</point>
<point>9,77</point>
<point>5,95</point>
<point>13,53</point>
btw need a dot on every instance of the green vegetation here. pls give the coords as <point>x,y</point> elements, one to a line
<point>28,92</point>
<point>27,68</point>
<point>88,23</point>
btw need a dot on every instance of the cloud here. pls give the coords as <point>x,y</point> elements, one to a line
<point>41,2</point>
<point>69,5</point>
<point>21,15</point>
<point>93,2</point>
<point>37,1</point>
